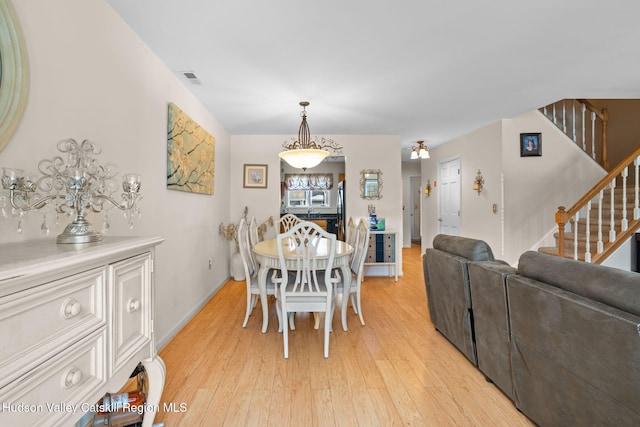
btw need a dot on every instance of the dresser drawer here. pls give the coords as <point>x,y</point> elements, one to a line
<point>62,388</point>
<point>130,297</point>
<point>39,322</point>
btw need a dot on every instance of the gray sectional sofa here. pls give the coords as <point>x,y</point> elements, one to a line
<point>560,337</point>
<point>446,276</point>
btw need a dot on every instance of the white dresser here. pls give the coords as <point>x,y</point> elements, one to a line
<point>75,321</point>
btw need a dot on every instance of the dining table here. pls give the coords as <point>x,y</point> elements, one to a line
<point>267,256</point>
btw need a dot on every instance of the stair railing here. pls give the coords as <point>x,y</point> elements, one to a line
<point>583,207</point>
<point>581,121</point>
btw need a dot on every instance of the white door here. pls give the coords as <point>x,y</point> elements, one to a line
<point>415,208</point>
<point>449,197</point>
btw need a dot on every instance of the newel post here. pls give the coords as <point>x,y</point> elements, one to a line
<point>561,220</point>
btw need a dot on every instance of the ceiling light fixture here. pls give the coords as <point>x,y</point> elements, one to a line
<point>420,152</point>
<point>305,153</point>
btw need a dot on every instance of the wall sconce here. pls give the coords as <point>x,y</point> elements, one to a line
<point>478,183</point>
<point>427,188</point>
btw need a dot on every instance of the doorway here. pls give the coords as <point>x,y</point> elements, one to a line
<point>449,197</point>
<point>414,210</point>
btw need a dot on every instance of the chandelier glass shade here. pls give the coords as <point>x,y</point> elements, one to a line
<point>305,153</point>
<point>420,152</point>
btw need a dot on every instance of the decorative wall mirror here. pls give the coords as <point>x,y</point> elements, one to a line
<point>371,184</point>
<point>14,72</point>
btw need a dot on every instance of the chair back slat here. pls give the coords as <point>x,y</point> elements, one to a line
<point>286,222</point>
<point>361,247</point>
<point>351,232</point>
<point>305,239</point>
<point>248,259</point>
<point>253,232</point>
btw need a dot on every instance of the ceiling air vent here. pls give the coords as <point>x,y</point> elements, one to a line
<point>191,77</point>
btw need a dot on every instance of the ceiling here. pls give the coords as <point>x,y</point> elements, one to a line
<point>427,70</point>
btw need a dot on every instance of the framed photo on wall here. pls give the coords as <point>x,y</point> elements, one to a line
<point>530,144</point>
<point>255,176</point>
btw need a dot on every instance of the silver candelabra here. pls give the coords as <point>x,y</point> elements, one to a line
<point>76,186</point>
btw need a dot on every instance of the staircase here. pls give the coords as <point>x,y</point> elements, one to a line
<point>604,218</point>
<point>609,214</point>
<point>584,124</point>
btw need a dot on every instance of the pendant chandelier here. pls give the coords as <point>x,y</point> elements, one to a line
<point>305,153</point>
<point>420,152</point>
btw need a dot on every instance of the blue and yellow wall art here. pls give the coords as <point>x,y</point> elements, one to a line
<point>190,154</point>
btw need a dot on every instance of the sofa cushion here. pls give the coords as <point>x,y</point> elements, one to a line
<point>611,286</point>
<point>471,249</point>
<point>487,281</point>
<point>447,284</point>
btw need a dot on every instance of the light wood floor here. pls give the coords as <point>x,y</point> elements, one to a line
<point>395,371</point>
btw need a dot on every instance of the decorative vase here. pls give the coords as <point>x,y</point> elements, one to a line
<point>237,269</point>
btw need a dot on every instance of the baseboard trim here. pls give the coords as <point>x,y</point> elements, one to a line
<point>162,342</point>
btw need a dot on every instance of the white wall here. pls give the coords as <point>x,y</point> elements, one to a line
<point>93,78</point>
<point>622,257</point>
<point>526,190</point>
<point>360,152</point>
<point>477,150</point>
<point>536,186</point>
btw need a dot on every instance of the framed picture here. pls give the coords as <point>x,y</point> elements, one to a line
<point>255,176</point>
<point>530,144</point>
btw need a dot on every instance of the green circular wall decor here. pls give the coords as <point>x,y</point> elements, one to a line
<point>14,72</point>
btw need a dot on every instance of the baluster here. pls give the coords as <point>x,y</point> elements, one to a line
<point>573,120</point>
<point>636,210</point>
<point>612,231</point>
<point>624,223</point>
<point>555,120</point>
<point>564,117</point>
<point>575,236</point>
<point>593,135</point>
<point>600,241</point>
<point>587,249</point>
<point>584,137</point>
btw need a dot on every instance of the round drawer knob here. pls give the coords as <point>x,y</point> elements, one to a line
<point>133,305</point>
<point>70,308</point>
<point>71,378</point>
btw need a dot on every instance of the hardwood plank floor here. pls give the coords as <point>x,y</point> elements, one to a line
<point>395,371</point>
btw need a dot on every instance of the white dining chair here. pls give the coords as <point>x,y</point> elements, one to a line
<point>361,246</point>
<point>286,222</point>
<point>253,232</point>
<point>250,265</point>
<point>306,282</point>
<point>351,231</point>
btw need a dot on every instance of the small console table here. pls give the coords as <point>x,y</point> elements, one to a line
<point>75,321</point>
<point>382,250</point>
